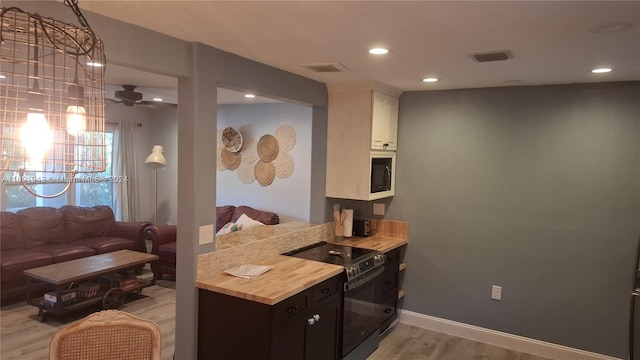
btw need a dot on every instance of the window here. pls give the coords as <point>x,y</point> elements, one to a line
<point>87,190</point>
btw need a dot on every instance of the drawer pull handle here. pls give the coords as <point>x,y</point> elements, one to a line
<point>292,309</point>
<point>388,282</point>
<point>387,310</point>
<point>327,290</point>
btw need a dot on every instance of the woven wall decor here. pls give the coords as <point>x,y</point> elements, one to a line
<point>230,160</point>
<point>268,148</point>
<point>263,160</point>
<point>265,172</point>
<point>232,139</point>
<point>283,165</point>
<point>246,172</point>
<point>286,137</point>
<point>249,151</point>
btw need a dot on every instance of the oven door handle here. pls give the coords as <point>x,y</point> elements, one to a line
<point>363,279</point>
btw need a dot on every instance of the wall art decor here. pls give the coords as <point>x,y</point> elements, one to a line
<point>263,160</point>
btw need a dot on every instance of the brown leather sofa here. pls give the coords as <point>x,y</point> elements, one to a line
<point>163,237</point>
<point>39,236</point>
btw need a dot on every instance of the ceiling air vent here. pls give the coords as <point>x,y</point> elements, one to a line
<point>492,56</point>
<point>326,67</point>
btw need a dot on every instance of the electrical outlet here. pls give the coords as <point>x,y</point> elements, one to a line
<point>378,208</point>
<point>496,292</point>
<point>206,234</point>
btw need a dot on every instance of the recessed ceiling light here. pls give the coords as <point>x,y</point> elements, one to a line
<point>3,76</point>
<point>430,79</point>
<point>157,99</point>
<point>601,70</point>
<point>378,51</point>
<point>249,96</point>
<point>94,63</point>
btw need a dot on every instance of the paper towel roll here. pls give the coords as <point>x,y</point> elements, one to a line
<point>348,222</point>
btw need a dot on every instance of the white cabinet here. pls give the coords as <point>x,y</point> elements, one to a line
<point>384,122</point>
<point>359,121</point>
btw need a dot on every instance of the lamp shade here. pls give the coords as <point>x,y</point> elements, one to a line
<point>156,160</point>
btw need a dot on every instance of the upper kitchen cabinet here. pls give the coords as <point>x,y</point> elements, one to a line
<point>384,122</point>
<point>361,130</point>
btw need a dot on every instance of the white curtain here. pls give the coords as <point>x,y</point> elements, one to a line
<point>125,194</point>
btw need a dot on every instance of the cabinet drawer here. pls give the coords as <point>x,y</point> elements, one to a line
<point>291,306</point>
<point>325,289</point>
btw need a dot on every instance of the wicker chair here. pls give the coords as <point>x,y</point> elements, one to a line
<point>109,334</point>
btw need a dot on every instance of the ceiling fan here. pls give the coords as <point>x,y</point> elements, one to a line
<point>129,97</point>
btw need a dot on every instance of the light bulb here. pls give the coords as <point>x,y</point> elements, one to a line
<point>76,120</point>
<point>37,136</point>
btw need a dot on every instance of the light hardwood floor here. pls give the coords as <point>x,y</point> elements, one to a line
<point>24,337</point>
<point>405,342</point>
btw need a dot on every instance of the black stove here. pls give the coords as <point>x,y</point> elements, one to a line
<point>358,263</point>
<point>361,305</point>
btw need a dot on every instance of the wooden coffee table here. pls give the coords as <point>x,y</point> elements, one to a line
<point>98,268</point>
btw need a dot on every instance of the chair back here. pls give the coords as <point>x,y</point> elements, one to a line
<point>108,334</point>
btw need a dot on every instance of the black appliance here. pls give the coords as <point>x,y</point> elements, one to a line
<point>381,168</point>
<point>362,288</point>
<point>361,227</point>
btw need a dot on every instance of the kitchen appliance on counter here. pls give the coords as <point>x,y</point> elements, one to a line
<point>362,288</point>
<point>361,227</point>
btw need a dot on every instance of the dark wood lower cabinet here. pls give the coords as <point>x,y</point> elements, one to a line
<point>304,337</point>
<point>305,326</point>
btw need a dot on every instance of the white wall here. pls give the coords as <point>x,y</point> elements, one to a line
<point>288,197</point>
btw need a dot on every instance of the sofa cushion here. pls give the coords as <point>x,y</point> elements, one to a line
<point>223,215</point>
<point>265,217</point>
<point>167,253</point>
<point>105,244</point>
<point>66,252</point>
<point>11,237</point>
<point>41,226</point>
<point>14,262</point>
<point>82,222</point>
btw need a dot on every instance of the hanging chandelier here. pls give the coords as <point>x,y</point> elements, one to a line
<point>52,97</point>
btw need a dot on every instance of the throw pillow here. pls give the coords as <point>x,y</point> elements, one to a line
<point>247,222</point>
<point>229,228</point>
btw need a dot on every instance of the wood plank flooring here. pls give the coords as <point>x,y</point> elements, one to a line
<point>24,337</point>
<point>406,342</point>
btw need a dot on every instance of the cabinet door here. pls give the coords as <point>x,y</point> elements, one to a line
<point>384,122</point>
<point>322,336</point>
<point>392,114</point>
<point>288,341</point>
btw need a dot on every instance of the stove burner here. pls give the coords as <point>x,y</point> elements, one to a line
<point>356,261</point>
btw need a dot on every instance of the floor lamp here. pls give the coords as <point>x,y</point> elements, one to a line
<point>156,161</point>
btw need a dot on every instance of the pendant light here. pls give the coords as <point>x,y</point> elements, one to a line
<point>52,101</point>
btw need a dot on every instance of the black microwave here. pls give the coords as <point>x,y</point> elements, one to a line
<point>382,172</point>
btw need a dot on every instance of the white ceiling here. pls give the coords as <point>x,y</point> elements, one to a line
<point>552,42</point>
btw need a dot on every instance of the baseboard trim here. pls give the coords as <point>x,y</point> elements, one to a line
<point>497,338</point>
